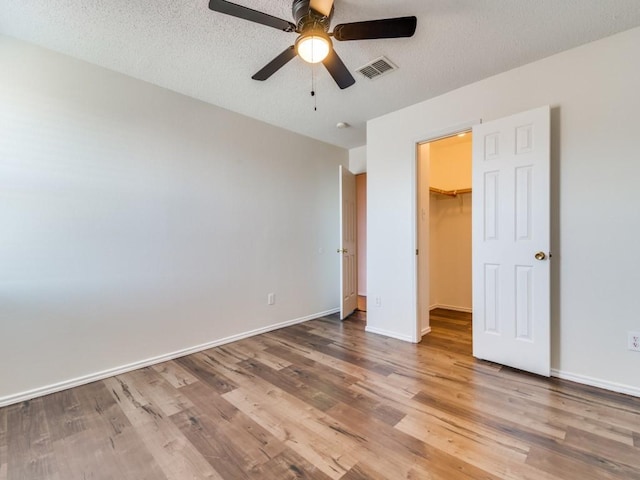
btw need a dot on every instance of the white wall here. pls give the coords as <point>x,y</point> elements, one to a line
<point>593,91</point>
<point>137,222</point>
<point>358,160</point>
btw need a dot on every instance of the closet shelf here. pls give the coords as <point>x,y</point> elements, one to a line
<point>449,193</point>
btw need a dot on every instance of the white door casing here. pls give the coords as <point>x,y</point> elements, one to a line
<point>423,240</point>
<point>347,250</point>
<point>511,225</point>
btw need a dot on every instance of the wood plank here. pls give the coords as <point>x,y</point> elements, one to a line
<point>627,458</point>
<point>198,366</point>
<point>175,374</point>
<point>318,357</point>
<point>299,428</point>
<point>174,454</point>
<point>64,414</point>
<point>337,387</point>
<point>203,434</point>
<point>156,390</point>
<point>361,471</point>
<point>405,452</point>
<point>291,384</point>
<point>568,466</point>
<point>432,421</point>
<point>4,445</point>
<point>288,465</point>
<point>30,451</point>
<point>251,349</point>
<point>257,445</point>
<point>110,448</point>
<point>493,414</point>
<point>479,448</point>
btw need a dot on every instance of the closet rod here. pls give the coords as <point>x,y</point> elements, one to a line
<point>450,193</point>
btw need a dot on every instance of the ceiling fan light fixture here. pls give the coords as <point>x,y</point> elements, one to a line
<point>314,46</point>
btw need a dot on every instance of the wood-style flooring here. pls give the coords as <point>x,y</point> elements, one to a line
<point>325,400</point>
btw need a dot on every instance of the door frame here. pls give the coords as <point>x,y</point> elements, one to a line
<point>428,137</point>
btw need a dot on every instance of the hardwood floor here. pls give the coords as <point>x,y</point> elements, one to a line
<point>325,400</point>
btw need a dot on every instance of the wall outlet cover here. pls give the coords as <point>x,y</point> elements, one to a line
<point>634,341</point>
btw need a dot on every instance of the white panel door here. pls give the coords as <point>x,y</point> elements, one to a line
<point>511,240</point>
<point>348,266</point>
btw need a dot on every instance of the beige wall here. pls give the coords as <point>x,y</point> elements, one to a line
<point>450,224</point>
<point>451,163</point>
<point>450,266</point>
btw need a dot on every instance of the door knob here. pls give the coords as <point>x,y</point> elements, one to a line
<point>342,250</point>
<point>540,256</point>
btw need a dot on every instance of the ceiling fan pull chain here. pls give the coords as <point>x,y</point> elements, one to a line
<point>313,88</point>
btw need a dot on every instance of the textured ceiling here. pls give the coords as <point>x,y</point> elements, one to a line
<point>185,47</point>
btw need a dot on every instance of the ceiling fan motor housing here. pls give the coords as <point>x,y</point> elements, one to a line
<point>308,19</point>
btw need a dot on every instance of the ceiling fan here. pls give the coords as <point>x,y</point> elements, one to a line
<point>314,45</point>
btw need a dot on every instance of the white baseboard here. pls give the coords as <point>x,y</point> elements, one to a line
<point>76,382</point>
<point>596,382</point>
<point>451,307</point>
<point>388,333</point>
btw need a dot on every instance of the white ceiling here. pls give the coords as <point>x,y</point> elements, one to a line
<point>185,47</point>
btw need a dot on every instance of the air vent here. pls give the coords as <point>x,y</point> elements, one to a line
<point>379,67</point>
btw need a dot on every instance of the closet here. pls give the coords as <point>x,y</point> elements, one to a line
<point>450,223</point>
<point>444,225</point>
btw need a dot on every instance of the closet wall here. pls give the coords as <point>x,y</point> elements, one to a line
<point>450,224</point>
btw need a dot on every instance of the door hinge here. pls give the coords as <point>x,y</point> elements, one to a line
<point>416,251</point>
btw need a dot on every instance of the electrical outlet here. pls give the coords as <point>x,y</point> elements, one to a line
<point>378,302</point>
<point>634,341</point>
<point>271,299</point>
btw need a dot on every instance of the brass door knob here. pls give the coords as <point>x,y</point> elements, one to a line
<point>540,256</point>
<point>342,250</point>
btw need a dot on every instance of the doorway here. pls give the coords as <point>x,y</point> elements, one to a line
<point>361,239</point>
<point>444,226</point>
<point>510,244</point>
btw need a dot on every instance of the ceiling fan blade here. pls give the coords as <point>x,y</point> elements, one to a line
<point>338,70</point>
<point>386,28</point>
<point>276,64</point>
<point>252,15</point>
<point>322,6</point>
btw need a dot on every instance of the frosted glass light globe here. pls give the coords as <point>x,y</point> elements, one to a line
<point>313,48</point>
